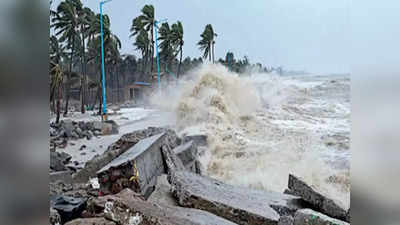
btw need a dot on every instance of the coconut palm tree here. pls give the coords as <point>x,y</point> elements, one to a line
<point>65,23</point>
<point>86,17</point>
<point>142,44</point>
<point>177,40</point>
<point>147,19</point>
<point>206,44</point>
<point>167,49</point>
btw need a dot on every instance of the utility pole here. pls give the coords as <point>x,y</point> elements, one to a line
<point>158,58</point>
<point>104,116</point>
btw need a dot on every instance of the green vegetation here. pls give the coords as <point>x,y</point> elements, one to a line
<point>75,54</point>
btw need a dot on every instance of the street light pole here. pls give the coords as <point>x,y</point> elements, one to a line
<point>158,58</point>
<point>104,117</point>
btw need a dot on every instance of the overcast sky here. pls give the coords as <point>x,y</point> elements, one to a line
<point>296,34</point>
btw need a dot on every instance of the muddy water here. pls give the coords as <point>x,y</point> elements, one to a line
<point>262,127</point>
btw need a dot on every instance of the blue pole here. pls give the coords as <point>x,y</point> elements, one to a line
<point>158,58</point>
<point>102,60</point>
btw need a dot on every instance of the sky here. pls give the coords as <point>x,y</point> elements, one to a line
<point>295,34</point>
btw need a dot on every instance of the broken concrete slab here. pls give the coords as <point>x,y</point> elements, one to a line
<point>137,168</point>
<point>91,221</point>
<point>127,206</point>
<point>311,217</point>
<point>318,200</point>
<point>64,176</point>
<point>198,139</point>
<point>120,146</point>
<point>188,154</point>
<point>162,193</point>
<point>238,204</point>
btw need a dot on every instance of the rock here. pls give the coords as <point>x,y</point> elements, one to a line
<point>97,125</point>
<point>127,206</point>
<point>314,197</point>
<point>64,176</point>
<point>311,217</point>
<point>57,161</point>
<point>68,127</point>
<point>91,221</point>
<point>137,168</point>
<point>53,132</point>
<point>237,204</point>
<point>83,153</point>
<point>54,217</point>
<point>69,208</point>
<point>286,220</point>
<point>110,127</point>
<point>82,147</point>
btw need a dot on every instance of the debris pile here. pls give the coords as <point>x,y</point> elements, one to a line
<point>151,176</point>
<point>68,129</point>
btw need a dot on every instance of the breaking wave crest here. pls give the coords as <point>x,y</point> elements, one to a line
<point>259,130</point>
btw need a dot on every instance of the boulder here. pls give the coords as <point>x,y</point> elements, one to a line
<point>286,220</point>
<point>54,217</point>
<point>237,204</point>
<point>315,197</point>
<point>129,208</point>
<point>311,217</point>
<point>91,221</point>
<point>57,161</point>
<point>69,208</point>
<point>110,127</point>
<point>68,127</point>
<point>97,125</point>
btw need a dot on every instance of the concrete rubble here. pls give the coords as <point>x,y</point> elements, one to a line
<point>319,201</point>
<point>127,206</point>
<point>311,217</point>
<point>240,205</point>
<point>152,176</point>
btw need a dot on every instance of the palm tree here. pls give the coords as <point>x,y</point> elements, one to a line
<point>177,39</point>
<point>66,22</point>
<point>147,20</point>
<point>142,44</point>
<point>167,51</point>
<point>86,17</point>
<point>207,42</point>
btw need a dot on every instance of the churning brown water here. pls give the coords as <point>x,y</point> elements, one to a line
<point>261,127</point>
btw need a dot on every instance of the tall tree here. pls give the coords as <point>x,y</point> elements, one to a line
<point>147,19</point>
<point>66,22</point>
<point>177,40</point>
<point>206,44</point>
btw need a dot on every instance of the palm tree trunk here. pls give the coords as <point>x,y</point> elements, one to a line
<point>209,52</point>
<point>152,48</point>
<point>213,54</point>
<point>69,78</point>
<point>58,103</point>
<point>83,84</point>
<point>180,62</point>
